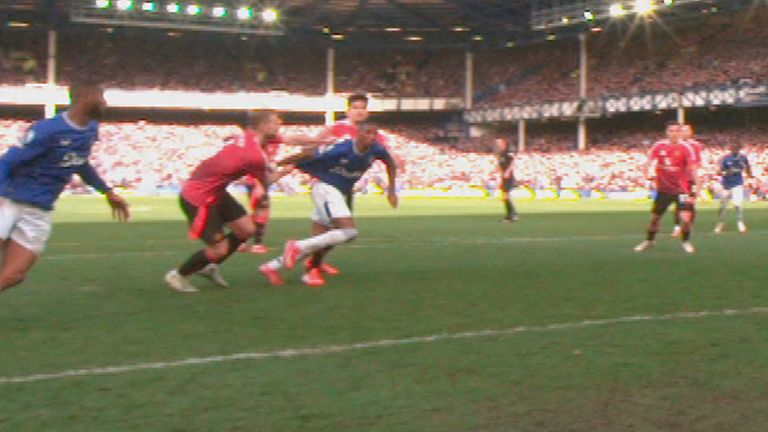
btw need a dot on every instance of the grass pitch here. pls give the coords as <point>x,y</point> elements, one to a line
<point>434,267</point>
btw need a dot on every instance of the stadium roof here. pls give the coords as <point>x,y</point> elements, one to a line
<point>367,21</point>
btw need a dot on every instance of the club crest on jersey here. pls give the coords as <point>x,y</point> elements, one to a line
<point>65,142</point>
<point>72,159</point>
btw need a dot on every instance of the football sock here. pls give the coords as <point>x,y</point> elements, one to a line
<point>508,208</point>
<point>276,264</point>
<point>317,258</point>
<point>740,213</point>
<point>258,236</point>
<point>194,263</point>
<point>686,234</point>
<point>331,238</point>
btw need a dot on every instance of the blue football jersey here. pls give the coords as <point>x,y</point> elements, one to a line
<point>733,168</point>
<point>36,171</point>
<point>342,166</point>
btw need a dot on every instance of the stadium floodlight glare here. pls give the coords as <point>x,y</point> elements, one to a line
<point>148,6</point>
<point>616,10</point>
<point>477,38</point>
<point>194,9</point>
<point>244,13</point>
<point>337,36</point>
<point>124,5</point>
<point>172,8</point>
<point>393,29</point>
<point>589,15</point>
<point>460,29</point>
<point>669,3</point>
<point>269,15</point>
<point>219,11</point>
<point>644,7</point>
<point>102,4</point>
<point>414,38</point>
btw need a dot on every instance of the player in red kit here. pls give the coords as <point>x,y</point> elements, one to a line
<point>675,166</point>
<point>697,147</point>
<point>258,195</point>
<point>210,208</point>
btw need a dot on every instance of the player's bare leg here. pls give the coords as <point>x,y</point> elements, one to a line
<point>722,212</point>
<point>17,260</point>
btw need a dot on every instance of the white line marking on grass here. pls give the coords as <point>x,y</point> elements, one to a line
<point>382,343</point>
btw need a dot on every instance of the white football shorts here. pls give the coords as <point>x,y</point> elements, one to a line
<point>330,204</point>
<point>735,194</point>
<point>28,226</point>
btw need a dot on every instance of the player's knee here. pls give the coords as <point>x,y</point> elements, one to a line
<point>218,250</point>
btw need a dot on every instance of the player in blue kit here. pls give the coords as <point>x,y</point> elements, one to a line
<point>33,175</point>
<point>335,171</point>
<point>732,169</point>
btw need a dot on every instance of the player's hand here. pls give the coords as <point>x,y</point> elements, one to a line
<point>119,207</point>
<point>392,198</point>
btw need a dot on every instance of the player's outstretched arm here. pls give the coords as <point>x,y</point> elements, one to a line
<point>306,153</point>
<point>118,204</point>
<point>392,182</point>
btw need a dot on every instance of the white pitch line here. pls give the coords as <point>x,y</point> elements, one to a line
<point>382,343</point>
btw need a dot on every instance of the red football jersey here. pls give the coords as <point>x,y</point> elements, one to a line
<point>697,147</point>
<point>674,165</point>
<point>242,155</point>
<point>344,129</point>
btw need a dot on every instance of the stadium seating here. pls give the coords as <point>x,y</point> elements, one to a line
<point>150,157</point>
<point>689,55</point>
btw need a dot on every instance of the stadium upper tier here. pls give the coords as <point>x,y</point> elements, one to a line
<point>713,50</point>
<point>151,157</point>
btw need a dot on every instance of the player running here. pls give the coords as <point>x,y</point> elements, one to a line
<point>335,171</point>
<point>258,196</point>
<point>210,209</point>
<point>675,166</point>
<point>357,112</point>
<point>697,147</point>
<point>732,169</point>
<point>506,158</point>
<point>33,175</point>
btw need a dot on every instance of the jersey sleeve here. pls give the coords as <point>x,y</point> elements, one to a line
<point>92,178</point>
<point>382,154</point>
<point>34,143</point>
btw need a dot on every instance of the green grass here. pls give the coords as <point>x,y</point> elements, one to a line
<point>96,299</point>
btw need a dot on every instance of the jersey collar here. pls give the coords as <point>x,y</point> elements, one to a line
<point>70,123</point>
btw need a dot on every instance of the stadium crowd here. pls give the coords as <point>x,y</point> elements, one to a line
<point>151,157</point>
<point>710,51</point>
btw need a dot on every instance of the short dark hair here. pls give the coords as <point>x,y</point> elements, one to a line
<point>673,123</point>
<point>357,97</point>
<point>83,86</point>
<point>257,118</point>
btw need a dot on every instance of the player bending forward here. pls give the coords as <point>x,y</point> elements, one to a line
<point>33,175</point>
<point>335,171</point>
<point>210,208</point>
<point>675,167</point>
<point>732,169</point>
